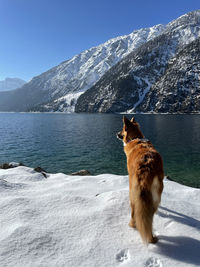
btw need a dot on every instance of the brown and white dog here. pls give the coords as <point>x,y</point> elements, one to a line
<point>145,169</point>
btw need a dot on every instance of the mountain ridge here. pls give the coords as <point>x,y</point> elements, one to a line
<point>124,74</point>
<point>126,86</point>
<point>77,74</point>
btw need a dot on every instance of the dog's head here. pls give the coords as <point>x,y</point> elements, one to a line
<point>130,130</point>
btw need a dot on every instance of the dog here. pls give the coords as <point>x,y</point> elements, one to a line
<point>145,169</point>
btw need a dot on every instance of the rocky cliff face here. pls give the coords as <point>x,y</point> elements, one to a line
<point>162,75</point>
<point>59,88</point>
<point>178,90</point>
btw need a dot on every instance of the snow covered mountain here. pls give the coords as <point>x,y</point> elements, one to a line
<point>150,70</point>
<point>59,88</point>
<point>11,84</point>
<point>161,75</point>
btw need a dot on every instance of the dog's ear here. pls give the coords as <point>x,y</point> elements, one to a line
<point>127,123</point>
<point>133,120</point>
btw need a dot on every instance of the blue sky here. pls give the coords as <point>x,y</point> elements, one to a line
<point>39,34</point>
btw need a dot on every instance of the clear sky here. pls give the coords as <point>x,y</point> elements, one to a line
<point>39,34</point>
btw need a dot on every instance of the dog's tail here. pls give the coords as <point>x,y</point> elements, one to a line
<point>146,202</point>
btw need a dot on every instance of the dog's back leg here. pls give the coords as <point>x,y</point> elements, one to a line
<point>132,222</point>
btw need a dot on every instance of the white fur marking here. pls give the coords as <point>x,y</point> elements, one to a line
<point>154,190</point>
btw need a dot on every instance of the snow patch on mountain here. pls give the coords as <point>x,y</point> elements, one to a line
<point>63,104</point>
<point>141,94</point>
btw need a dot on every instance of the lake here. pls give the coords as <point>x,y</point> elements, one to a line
<point>70,142</point>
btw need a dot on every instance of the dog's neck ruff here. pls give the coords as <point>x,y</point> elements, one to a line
<point>140,139</point>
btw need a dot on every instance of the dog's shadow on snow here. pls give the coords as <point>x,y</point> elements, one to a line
<point>181,248</point>
<point>178,217</point>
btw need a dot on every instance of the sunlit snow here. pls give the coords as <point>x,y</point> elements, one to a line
<point>67,220</point>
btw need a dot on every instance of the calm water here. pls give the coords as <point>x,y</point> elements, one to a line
<point>70,142</point>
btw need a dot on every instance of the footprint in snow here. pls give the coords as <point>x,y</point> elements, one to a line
<point>153,262</point>
<point>169,223</point>
<point>123,255</point>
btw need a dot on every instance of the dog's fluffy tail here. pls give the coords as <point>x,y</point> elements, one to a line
<point>144,211</point>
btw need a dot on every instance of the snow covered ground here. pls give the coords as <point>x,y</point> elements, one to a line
<point>70,221</point>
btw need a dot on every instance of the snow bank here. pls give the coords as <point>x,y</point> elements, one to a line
<point>66,220</point>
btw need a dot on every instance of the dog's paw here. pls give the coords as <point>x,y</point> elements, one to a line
<point>154,240</point>
<point>132,224</point>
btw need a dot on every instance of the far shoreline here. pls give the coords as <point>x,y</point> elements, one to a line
<point>99,113</point>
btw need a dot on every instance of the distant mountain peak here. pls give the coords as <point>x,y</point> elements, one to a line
<point>11,83</point>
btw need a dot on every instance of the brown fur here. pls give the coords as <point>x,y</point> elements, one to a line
<point>145,169</point>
